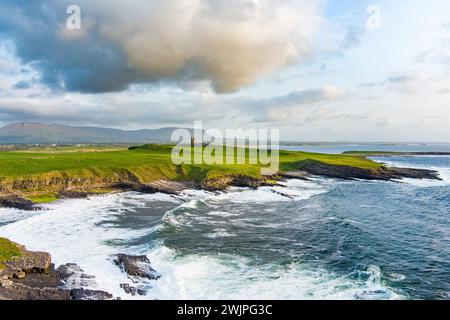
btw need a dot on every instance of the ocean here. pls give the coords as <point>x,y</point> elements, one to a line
<point>318,239</point>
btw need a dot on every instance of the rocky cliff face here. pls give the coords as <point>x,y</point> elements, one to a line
<point>32,276</point>
<point>29,275</point>
<point>13,191</point>
<point>223,182</point>
<point>382,173</point>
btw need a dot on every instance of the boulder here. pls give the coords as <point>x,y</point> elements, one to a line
<point>12,290</point>
<point>32,276</point>
<point>74,277</point>
<point>136,267</point>
<point>86,294</point>
<point>140,290</point>
<point>17,202</point>
<point>128,289</point>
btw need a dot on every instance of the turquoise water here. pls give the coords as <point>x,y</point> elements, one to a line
<point>322,239</point>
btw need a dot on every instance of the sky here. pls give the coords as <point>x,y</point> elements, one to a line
<point>318,70</point>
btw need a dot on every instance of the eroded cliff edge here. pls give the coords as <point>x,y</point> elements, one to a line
<point>28,275</point>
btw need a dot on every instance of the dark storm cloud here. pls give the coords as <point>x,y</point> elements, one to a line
<point>88,64</point>
<point>231,44</point>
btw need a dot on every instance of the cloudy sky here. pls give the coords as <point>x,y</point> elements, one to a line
<point>319,70</point>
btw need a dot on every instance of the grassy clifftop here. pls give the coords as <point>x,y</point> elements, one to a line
<point>40,175</point>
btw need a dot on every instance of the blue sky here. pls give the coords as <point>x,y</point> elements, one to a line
<point>311,68</point>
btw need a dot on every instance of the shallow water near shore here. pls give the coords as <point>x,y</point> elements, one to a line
<point>319,239</point>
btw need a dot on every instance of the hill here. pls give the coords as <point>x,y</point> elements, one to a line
<point>41,133</point>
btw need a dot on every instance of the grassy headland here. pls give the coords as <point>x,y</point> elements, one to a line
<point>40,176</point>
<point>394,153</point>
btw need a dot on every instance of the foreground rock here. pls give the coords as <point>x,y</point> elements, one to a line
<point>136,267</point>
<point>77,282</point>
<point>139,270</point>
<point>32,276</point>
<point>139,290</point>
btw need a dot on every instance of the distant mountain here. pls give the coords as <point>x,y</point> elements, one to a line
<point>34,133</point>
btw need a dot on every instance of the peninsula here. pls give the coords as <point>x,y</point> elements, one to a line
<point>39,176</point>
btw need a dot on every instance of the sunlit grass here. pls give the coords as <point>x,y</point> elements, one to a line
<point>41,175</point>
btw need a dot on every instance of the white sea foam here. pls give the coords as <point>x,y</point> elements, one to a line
<point>222,214</point>
<point>233,277</point>
<point>291,190</point>
<point>8,215</point>
<point>444,174</point>
<point>74,231</point>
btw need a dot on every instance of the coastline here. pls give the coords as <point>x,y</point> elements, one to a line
<point>224,181</point>
<point>31,275</point>
<point>48,282</point>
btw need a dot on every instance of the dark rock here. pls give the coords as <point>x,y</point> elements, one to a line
<point>415,173</point>
<point>32,276</point>
<point>41,280</point>
<point>72,194</point>
<point>129,289</point>
<point>17,291</point>
<point>140,290</point>
<point>283,194</point>
<point>75,281</point>
<point>162,186</point>
<point>299,175</point>
<point>35,285</point>
<point>86,294</point>
<point>74,277</point>
<point>136,266</point>
<point>382,173</point>
<point>17,203</point>
<point>67,270</point>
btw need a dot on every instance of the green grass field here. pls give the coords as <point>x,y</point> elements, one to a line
<point>35,173</point>
<point>372,153</point>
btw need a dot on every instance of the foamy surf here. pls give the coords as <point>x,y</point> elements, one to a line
<point>444,172</point>
<point>74,231</point>
<point>291,190</point>
<point>8,215</point>
<point>235,278</point>
<point>86,232</point>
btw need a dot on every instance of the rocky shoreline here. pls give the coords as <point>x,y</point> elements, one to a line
<point>33,276</point>
<point>305,170</point>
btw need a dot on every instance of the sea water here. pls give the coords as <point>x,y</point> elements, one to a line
<point>318,239</point>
